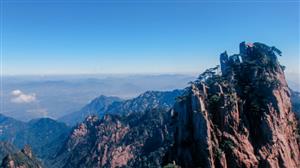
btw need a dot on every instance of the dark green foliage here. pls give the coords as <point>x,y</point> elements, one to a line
<point>263,48</point>
<point>292,154</point>
<point>214,99</point>
<point>171,165</point>
<point>209,73</point>
<point>255,107</point>
<point>227,144</point>
<point>218,153</point>
<point>276,50</point>
<point>290,123</point>
<point>272,83</point>
<point>275,83</point>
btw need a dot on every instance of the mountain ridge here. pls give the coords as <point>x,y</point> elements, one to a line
<point>114,105</point>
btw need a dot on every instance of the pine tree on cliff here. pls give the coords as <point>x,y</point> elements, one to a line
<point>241,117</point>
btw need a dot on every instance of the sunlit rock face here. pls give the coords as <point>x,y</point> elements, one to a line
<point>135,140</point>
<point>238,117</point>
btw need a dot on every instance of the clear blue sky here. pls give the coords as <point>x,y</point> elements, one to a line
<point>52,37</point>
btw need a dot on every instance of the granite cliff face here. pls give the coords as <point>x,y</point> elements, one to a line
<point>135,140</point>
<point>239,117</point>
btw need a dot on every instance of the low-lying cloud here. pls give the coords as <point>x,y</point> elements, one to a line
<point>20,97</point>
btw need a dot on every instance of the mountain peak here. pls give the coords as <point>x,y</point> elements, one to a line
<point>240,118</point>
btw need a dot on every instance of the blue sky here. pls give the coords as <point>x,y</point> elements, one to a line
<point>77,37</point>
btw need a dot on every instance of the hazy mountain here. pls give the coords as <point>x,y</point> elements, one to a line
<point>293,80</point>
<point>147,100</point>
<point>9,128</point>
<point>57,96</point>
<point>96,106</point>
<point>44,135</point>
<point>295,98</point>
<point>113,105</point>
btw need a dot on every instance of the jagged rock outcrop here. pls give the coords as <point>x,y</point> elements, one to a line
<point>134,140</point>
<point>21,159</point>
<point>239,118</point>
<point>5,149</point>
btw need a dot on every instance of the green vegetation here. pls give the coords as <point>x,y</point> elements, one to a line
<point>209,74</point>
<point>171,165</point>
<point>255,107</point>
<point>292,154</point>
<point>218,153</point>
<point>275,83</point>
<point>227,144</point>
<point>290,123</point>
<point>214,99</point>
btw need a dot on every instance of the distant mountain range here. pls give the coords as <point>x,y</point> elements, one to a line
<point>98,106</point>
<point>113,105</point>
<point>48,137</point>
<point>44,135</point>
<point>57,96</point>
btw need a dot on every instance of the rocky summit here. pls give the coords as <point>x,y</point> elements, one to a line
<point>240,116</point>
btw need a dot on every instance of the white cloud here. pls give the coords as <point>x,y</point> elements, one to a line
<point>19,97</point>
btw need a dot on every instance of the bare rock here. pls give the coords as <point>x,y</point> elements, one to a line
<point>242,121</point>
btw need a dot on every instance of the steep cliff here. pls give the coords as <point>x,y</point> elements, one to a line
<point>135,140</point>
<point>239,117</point>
